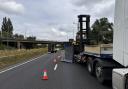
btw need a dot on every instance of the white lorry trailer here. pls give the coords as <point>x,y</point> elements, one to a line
<point>104,64</point>
<point>120,45</point>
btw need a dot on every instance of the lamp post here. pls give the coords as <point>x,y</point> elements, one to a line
<point>76,24</point>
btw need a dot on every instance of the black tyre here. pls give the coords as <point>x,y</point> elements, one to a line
<point>89,67</point>
<point>99,73</point>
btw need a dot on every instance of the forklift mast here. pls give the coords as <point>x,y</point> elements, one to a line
<point>82,36</point>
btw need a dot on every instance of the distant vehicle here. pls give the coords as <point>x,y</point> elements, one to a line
<point>51,48</point>
<point>53,51</point>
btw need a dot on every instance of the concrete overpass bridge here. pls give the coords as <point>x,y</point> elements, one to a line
<point>18,43</point>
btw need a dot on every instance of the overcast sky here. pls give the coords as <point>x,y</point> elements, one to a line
<point>52,19</point>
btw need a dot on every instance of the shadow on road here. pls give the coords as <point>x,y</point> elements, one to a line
<point>107,84</point>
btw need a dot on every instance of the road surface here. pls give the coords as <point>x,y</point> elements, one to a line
<point>66,76</point>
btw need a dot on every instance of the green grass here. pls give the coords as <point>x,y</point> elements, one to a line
<point>12,57</point>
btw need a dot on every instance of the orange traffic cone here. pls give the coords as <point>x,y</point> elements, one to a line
<point>45,77</point>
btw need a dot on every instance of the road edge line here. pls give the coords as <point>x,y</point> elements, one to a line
<point>18,65</point>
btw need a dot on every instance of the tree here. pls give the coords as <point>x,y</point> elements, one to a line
<point>10,28</point>
<point>31,38</point>
<point>7,28</point>
<point>102,31</point>
<point>19,37</point>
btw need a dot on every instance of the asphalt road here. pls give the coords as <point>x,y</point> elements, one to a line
<point>66,76</point>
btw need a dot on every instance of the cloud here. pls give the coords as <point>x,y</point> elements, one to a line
<point>11,7</point>
<point>90,3</point>
<point>41,31</point>
<point>58,32</point>
<point>96,8</point>
<point>63,33</point>
<point>48,19</point>
<point>106,10</point>
<point>86,3</point>
<point>104,6</point>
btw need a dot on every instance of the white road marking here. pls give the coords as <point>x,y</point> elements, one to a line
<point>20,64</point>
<point>55,67</point>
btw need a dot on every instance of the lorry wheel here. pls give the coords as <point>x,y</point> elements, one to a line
<point>89,67</point>
<point>99,73</point>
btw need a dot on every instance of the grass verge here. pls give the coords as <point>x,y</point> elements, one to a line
<point>16,56</point>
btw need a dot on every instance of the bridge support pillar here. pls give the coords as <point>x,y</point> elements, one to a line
<point>18,45</point>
